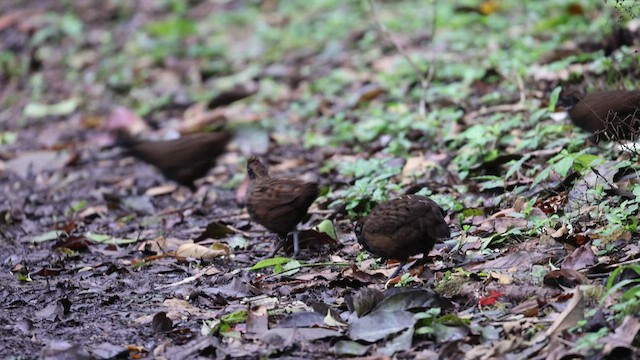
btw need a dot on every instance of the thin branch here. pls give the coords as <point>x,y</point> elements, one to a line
<point>425,81</point>
<point>288,271</point>
<point>517,107</point>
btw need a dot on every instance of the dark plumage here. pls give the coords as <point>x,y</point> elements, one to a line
<point>182,160</point>
<point>402,227</point>
<point>609,115</point>
<point>278,204</point>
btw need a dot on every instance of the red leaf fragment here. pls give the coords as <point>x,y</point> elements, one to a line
<point>491,299</point>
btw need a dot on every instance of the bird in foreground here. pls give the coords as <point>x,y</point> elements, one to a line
<point>609,115</point>
<point>402,227</point>
<point>182,160</point>
<point>278,204</point>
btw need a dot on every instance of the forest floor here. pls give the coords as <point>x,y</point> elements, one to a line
<point>103,258</point>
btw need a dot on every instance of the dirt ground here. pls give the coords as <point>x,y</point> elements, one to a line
<point>90,237</point>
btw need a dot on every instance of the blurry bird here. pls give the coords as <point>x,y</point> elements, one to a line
<point>182,160</point>
<point>609,115</point>
<point>278,204</point>
<point>402,227</point>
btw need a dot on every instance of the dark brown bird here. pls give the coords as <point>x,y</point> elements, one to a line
<point>402,227</point>
<point>182,160</point>
<point>278,204</point>
<point>609,115</point>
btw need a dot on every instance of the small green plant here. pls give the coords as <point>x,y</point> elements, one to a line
<point>78,206</point>
<point>624,215</point>
<point>629,303</point>
<point>407,279</point>
<point>452,282</point>
<point>58,27</point>
<point>223,324</point>
<point>24,277</point>
<point>362,256</point>
<point>565,162</point>
<point>432,323</point>
<point>427,321</point>
<point>281,265</point>
<point>373,185</point>
<point>591,340</point>
<point>8,137</point>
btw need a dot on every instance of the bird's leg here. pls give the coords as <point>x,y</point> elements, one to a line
<point>282,240</point>
<point>296,242</point>
<point>205,197</point>
<point>395,273</point>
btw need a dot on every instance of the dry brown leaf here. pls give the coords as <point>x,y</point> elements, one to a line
<point>161,190</point>
<point>197,118</point>
<point>37,162</point>
<point>99,210</point>
<point>571,315</point>
<point>209,270</point>
<point>257,321</point>
<point>564,277</point>
<point>415,166</point>
<point>198,251</point>
<point>513,260</point>
<point>502,278</point>
<point>623,337</point>
<point>581,258</point>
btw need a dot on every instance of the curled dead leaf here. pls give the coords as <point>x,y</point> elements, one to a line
<point>197,251</point>
<point>564,277</point>
<point>571,315</point>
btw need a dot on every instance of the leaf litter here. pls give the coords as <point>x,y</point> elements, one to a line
<point>114,260</point>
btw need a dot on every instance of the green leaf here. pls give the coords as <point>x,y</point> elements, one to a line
<point>563,166</point>
<point>24,278</point>
<point>8,137</point>
<point>270,262</point>
<point>553,99</point>
<point>210,327</point>
<point>107,239</point>
<point>611,288</point>
<point>636,192</point>
<point>586,160</point>
<point>490,181</point>
<point>71,26</point>
<point>38,110</point>
<point>516,166</point>
<point>288,269</point>
<point>632,293</point>
<point>172,29</point>
<point>78,205</point>
<point>472,212</point>
<point>237,242</point>
<point>235,317</point>
<point>543,175</point>
<point>326,226</point>
<point>48,236</point>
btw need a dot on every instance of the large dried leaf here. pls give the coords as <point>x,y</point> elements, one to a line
<point>37,162</point>
<point>582,258</point>
<point>624,337</point>
<point>302,319</point>
<point>408,300</point>
<point>571,315</point>
<point>380,324</point>
<point>302,334</point>
<point>353,348</point>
